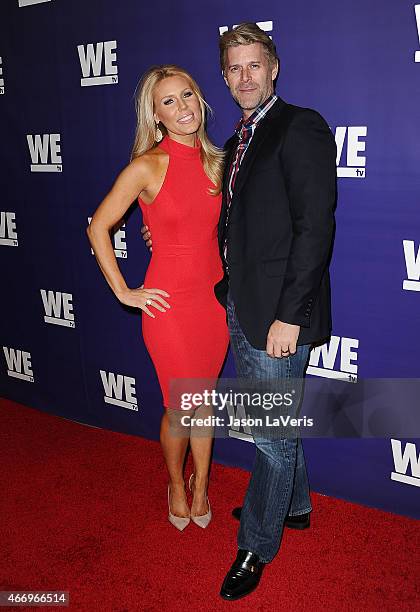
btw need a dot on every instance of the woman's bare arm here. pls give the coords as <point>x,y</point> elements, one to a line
<point>129,183</point>
<point>132,180</point>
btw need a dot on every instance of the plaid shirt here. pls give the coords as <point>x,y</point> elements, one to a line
<point>245,131</point>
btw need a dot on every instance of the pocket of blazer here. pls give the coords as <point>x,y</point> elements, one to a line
<point>275,267</point>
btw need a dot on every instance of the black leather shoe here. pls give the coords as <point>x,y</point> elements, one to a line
<point>243,577</point>
<point>292,522</point>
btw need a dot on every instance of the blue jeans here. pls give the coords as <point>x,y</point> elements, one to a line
<point>279,483</point>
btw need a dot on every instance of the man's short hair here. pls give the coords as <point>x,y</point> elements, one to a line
<point>246,34</point>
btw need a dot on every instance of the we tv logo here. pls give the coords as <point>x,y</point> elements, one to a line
<point>119,390</point>
<point>237,415</point>
<point>412,264</point>
<point>403,459</point>
<point>335,359</point>
<point>118,236</point>
<point>350,144</point>
<point>44,150</point>
<point>8,234</point>
<point>97,62</point>
<point>30,2</point>
<point>58,308</point>
<point>267,26</point>
<point>18,364</point>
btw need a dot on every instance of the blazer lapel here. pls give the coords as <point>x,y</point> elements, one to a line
<point>228,160</point>
<point>261,132</point>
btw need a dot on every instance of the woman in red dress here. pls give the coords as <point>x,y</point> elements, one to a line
<point>175,172</point>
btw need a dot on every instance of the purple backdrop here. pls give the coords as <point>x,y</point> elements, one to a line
<point>68,71</point>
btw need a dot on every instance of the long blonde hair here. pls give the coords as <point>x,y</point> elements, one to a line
<point>211,156</point>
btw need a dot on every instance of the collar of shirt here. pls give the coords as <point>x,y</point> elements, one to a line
<point>256,116</point>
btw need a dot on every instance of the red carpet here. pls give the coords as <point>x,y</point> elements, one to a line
<point>84,510</point>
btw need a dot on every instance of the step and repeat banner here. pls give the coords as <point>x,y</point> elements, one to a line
<point>68,75</point>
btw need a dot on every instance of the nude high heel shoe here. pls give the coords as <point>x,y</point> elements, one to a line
<point>180,522</point>
<point>204,519</point>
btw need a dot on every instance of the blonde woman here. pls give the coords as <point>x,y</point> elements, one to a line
<point>175,172</point>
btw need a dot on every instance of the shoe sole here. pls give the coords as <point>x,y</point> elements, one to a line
<point>300,527</point>
<point>235,598</point>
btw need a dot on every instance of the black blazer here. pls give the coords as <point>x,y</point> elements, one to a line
<point>281,225</point>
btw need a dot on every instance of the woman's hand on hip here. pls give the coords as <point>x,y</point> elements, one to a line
<point>144,298</point>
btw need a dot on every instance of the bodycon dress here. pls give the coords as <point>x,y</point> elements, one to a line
<point>190,339</point>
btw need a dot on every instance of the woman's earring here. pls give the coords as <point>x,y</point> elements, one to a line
<point>158,133</point>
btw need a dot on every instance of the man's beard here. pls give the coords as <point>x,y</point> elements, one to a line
<point>251,104</point>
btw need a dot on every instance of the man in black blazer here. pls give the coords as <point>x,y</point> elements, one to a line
<point>275,238</point>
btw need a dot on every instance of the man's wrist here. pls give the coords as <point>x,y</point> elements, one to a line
<point>286,323</point>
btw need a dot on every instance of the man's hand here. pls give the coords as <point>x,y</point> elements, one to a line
<point>147,236</point>
<point>282,338</point>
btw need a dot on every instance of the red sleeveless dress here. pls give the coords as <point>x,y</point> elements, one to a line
<point>191,338</point>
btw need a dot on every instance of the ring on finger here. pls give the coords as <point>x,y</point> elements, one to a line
<point>148,302</point>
